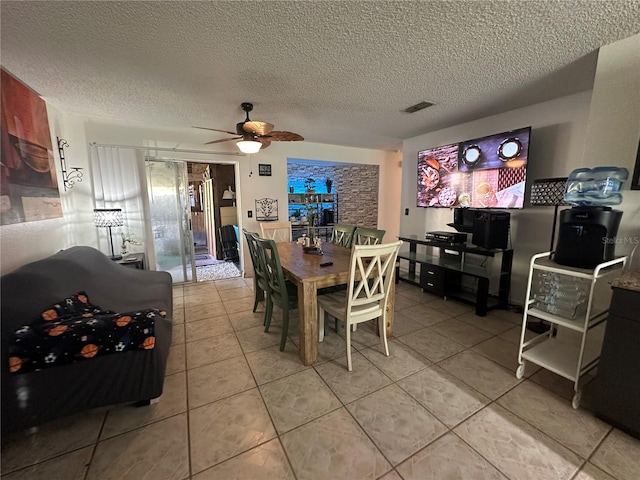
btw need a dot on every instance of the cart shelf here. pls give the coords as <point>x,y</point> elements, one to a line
<point>571,347</point>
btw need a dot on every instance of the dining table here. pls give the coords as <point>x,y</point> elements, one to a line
<point>304,271</point>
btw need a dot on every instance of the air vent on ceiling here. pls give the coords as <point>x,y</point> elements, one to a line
<point>417,107</point>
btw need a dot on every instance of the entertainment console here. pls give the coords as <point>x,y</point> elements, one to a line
<point>443,274</point>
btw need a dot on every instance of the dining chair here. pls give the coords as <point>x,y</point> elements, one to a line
<point>342,234</point>
<point>259,278</point>
<point>367,236</point>
<point>278,231</point>
<point>280,292</point>
<point>370,280</point>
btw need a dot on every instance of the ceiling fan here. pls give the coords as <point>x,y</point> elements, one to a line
<point>254,135</point>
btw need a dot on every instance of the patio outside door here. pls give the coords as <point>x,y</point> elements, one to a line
<point>170,209</point>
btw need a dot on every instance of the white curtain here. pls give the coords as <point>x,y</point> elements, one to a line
<point>117,184</point>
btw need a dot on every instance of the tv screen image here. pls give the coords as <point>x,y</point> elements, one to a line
<point>487,172</point>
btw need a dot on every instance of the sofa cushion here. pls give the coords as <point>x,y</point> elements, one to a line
<point>74,330</point>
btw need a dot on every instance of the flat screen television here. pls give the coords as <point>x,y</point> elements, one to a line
<point>486,172</point>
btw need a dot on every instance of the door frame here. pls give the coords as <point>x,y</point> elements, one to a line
<point>193,158</point>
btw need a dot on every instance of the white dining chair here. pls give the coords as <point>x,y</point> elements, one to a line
<point>276,231</point>
<point>370,280</point>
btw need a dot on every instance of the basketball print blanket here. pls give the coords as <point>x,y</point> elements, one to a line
<point>74,330</point>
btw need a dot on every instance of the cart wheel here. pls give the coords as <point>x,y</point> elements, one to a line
<point>520,372</point>
<point>575,401</point>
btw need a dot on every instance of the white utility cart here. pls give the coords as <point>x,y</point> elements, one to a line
<point>571,346</point>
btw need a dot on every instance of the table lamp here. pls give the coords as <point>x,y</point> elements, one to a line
<point>109,217</point>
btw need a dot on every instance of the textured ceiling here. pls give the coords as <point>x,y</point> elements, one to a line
<point>337,72</point>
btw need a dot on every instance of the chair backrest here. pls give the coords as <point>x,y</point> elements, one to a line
<point>278,231</point>
<point>367,236</point>
<point>342,234</point>
<point>370,278</point>
<point>252,243</point>
<point>270,260</point>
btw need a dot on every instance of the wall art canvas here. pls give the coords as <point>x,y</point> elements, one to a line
<point>266,210</point>
<point>28,182</point>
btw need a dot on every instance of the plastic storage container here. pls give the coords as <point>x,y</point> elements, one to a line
<point>560,294</point>
<point>592,187</point>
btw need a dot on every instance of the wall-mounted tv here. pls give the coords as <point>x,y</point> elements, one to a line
<point>486,172</point>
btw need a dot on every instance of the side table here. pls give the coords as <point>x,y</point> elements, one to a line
<point>135,260</point>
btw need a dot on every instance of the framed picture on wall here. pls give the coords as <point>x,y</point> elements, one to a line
<point>28,182</point>
<point>635,180</point>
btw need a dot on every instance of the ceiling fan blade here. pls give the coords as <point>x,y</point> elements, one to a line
<point>217,130</point>
<point>223,140</point>
<point>264,141</point>
<point>281,136</point>
<point>259,128</point>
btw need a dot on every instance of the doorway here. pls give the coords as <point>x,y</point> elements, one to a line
<point>191,219</point>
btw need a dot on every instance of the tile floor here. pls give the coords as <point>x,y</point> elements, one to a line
<point>445,404</point>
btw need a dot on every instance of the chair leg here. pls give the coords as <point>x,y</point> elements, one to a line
<point>268,314</point>
<point>259,295</point>
<point>321,318</point>
<point>285,328</point>
<point>348,339</point>
<point>383,334</point>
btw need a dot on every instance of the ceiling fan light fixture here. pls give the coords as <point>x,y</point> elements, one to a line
<point>249,146</point>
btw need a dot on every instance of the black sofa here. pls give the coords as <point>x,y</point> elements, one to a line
<point>36,397</point>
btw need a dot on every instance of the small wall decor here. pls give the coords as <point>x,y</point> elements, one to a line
<point>69,179</point>
<point>264,169</point>
<point>266,209</point>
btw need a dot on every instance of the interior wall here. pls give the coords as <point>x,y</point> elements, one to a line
<point>556,147</point>
<point>613,132</point>
<point>595,128</point>
<point>25,242</point>
<point>22,243</point>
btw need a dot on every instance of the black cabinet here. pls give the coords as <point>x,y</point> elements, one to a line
<point>617,385</point>
<point>444,273</point>
<point>432,279</point>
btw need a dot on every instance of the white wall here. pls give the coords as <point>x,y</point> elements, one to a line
<point>556,146</point>
<point>22,243</point>
<point>30,241</point>
<point>613,132</point>
<point>599,127</point>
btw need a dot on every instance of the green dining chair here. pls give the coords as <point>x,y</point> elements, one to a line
<point>342,234</point>
<point>367,236</point>
<point>279,292</point>
<point>259,278</point>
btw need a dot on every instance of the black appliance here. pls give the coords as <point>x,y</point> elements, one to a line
<point>327,217</point>
<point>463,219</point>
<point>491,229</point>
<point>447,237</point>
<point>587,236</point>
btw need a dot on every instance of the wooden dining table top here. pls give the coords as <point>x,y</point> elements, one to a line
<point>305,267</point>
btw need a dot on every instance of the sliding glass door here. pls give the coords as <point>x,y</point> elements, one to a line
<point>168,188</point>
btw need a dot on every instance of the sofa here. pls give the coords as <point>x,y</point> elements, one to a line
<point>44,394</point>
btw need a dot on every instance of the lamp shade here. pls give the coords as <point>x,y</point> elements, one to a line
<point>108,217</point>
<point>249,146</point>
<point>228,194</point>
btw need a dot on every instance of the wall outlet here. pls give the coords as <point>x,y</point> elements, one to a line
<point>250,214</point>
<point>406,211</point>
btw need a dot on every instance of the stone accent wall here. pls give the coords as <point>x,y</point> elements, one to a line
<point>357,189</point>
<point>355,185</point>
